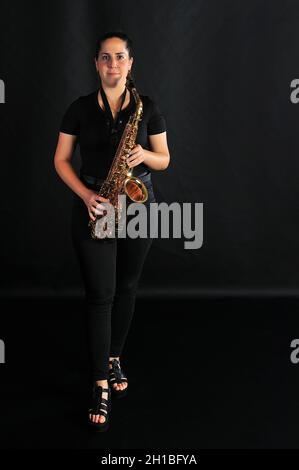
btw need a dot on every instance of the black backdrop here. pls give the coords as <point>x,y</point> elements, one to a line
<point>220,71</point>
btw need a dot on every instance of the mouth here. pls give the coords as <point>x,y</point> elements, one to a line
<point>113,73</point>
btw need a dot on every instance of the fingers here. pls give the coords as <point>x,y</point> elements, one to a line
<point>102,199</point>
<point>96,212</point>
<point>98,209</point>
<point>98,206</point>
<point>94,208</point>
<point>134,161</point>
<point>91,215</point>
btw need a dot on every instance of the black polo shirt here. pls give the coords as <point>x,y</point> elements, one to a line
<point>85,118</point>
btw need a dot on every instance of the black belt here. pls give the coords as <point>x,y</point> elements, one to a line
<point>146,176</point>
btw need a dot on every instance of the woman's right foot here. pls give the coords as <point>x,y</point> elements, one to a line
<point>100,404</point>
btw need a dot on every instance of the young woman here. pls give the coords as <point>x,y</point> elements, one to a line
<point>110,267</point>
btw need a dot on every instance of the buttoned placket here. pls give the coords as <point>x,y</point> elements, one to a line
<point>115,123</point>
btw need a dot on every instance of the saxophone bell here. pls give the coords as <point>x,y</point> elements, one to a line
<point>135,189</point>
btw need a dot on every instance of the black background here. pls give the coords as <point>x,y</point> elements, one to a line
<point>220,72</point>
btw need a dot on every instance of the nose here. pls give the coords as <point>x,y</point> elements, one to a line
<point>112,63</point>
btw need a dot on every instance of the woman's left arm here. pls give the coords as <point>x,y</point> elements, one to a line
<point>156,159</point>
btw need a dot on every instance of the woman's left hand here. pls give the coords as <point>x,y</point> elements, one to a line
<point>137,156</point>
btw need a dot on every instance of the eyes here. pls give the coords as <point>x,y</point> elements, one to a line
<point>105,57</point>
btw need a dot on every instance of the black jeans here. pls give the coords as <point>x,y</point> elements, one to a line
<point>110,269</point>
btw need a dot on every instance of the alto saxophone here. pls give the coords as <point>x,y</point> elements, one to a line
<point>120,179</point>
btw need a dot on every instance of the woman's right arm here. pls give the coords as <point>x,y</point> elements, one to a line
<point>62,162</point>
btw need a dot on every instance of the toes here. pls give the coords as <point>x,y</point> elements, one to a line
<point>121,386</point>
<point>97,418</point>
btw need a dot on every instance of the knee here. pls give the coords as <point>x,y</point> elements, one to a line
<point>127,287</point>
<point>99,298</point>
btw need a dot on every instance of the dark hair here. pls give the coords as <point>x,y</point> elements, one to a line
<point>114,34</point>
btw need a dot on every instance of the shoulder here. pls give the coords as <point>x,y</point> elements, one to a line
<point>71,118</point>
<point>78,107</point>
<point>72,108</point>
<point>75,112</point>
<point>82,100</point>
<point>156,122</point>
<point>147,101</point>
<point>150,105</point>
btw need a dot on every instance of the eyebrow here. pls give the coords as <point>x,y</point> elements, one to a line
<point>115,52</point>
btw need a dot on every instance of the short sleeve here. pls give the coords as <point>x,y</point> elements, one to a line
<point>156,123</point>
<point>70,123</point>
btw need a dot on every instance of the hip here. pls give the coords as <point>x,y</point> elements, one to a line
<point>95,184</point>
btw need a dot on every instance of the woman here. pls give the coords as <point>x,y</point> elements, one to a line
<point>110,267</point>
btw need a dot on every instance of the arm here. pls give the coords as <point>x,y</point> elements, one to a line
<point>62,162</point>
<point>157,159</point>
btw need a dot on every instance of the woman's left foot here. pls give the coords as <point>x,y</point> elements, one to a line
<point>117,378</point>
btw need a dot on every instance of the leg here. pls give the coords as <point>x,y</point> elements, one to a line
<point>131,255</point>
<point>97,261</point>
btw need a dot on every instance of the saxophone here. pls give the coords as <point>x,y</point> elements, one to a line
<point>120,179</point>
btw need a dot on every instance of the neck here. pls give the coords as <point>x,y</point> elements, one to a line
<point>114,93</point>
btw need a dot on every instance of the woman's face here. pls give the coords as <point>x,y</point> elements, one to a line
<point>113,62</point>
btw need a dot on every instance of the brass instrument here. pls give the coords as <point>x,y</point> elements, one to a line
<point>120,179</point>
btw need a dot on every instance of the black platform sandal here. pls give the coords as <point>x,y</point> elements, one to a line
<point>117,376</point>
<point>100,406</point>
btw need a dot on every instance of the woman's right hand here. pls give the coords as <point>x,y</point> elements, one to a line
<point>91,201</point>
